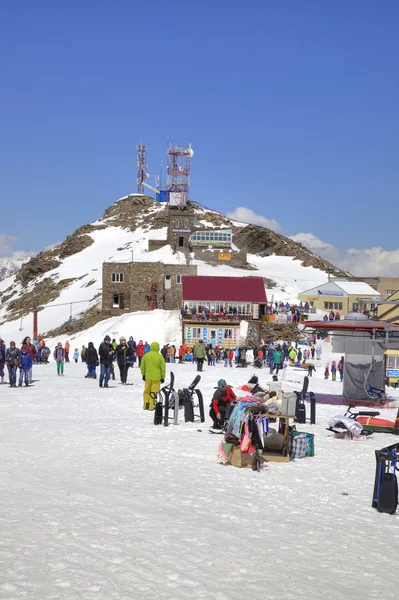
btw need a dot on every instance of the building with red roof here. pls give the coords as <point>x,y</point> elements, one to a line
<point>215,306</point>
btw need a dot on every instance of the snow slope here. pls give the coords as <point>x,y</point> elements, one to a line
<point>99,504</point>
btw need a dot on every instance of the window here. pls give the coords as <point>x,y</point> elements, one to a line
<point>178,279</point>
<point>331,305</point>
<point>181,241</point>
<point>355,306</point>
<point>389,292</point>
<point>117,277</point>
<point>228,334</point>
<point>196,332</point>
<point>185,223</point>
<point>213,334</point>
<point>177,223</point>
<point>392,362</point>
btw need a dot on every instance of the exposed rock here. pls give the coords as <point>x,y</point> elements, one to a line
<point>255,239</point>
<point>288,332</point>
<point>44,292</point>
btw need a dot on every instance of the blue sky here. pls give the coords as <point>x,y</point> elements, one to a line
<point>291,108</point>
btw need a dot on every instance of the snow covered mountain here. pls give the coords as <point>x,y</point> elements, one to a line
<point>66,280</point>
<point>10,265</point>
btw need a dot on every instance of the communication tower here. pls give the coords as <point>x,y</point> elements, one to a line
<point>142,166</point>
<point>179,174</point>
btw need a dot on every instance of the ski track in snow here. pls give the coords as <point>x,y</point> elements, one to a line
<point>99,504</point>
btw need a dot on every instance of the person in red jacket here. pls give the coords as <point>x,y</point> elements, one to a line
<point>231,357</point>
<point>140,351</point>
<point>30,349</point>
<point>220,400</point>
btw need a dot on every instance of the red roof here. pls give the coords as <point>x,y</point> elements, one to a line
<point>342,325</point>
<point>224,289</point>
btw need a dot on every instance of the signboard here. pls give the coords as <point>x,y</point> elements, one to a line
<point>223,256</point>
<point>181,230</point>
<point>177,198</point>
<point>188,334</point>
<point>393,372</point>
<point>332,293</point>
<point>220,335</point>
<point>235,336</point>
<point>205,334</point>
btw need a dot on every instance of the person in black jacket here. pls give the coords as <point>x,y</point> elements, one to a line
<point>123,353</point>
<point>91,361</point>
<point>106,353</point>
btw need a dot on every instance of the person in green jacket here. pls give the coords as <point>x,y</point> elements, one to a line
<point>277,361</point>
<point>200,354</point>
<point>153,369</point>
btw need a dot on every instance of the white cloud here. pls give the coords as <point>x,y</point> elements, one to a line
<point>246,215</point>
<point>7,243</point>
<point>363,261</point>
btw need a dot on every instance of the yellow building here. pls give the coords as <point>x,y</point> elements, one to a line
<point>343,296</point>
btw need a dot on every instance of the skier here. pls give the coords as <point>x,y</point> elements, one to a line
<point>76,355</point>
<point>31,350</point>
<point>153,370</point>
<point>327,372</point>
<point>106,353</point>
<point>12,361</point>
<point>91,361</point>
<point>147,347</point>
<point>59,357</point>
<point>140,351</point>
<point>318,351</point>
<point>25,365</point>
<point>200,355</point>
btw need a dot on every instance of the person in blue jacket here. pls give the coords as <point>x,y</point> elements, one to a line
<point>146,347</point>
<point>25,365</point>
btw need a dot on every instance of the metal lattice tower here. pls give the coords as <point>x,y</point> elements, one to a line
<point>179,174</point>
<point>141,167</point>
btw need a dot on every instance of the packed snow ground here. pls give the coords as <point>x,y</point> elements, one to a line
<point>99,504</point>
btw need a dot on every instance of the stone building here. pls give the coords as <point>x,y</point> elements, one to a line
<point>132,286</point>
<point>195,239</point>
